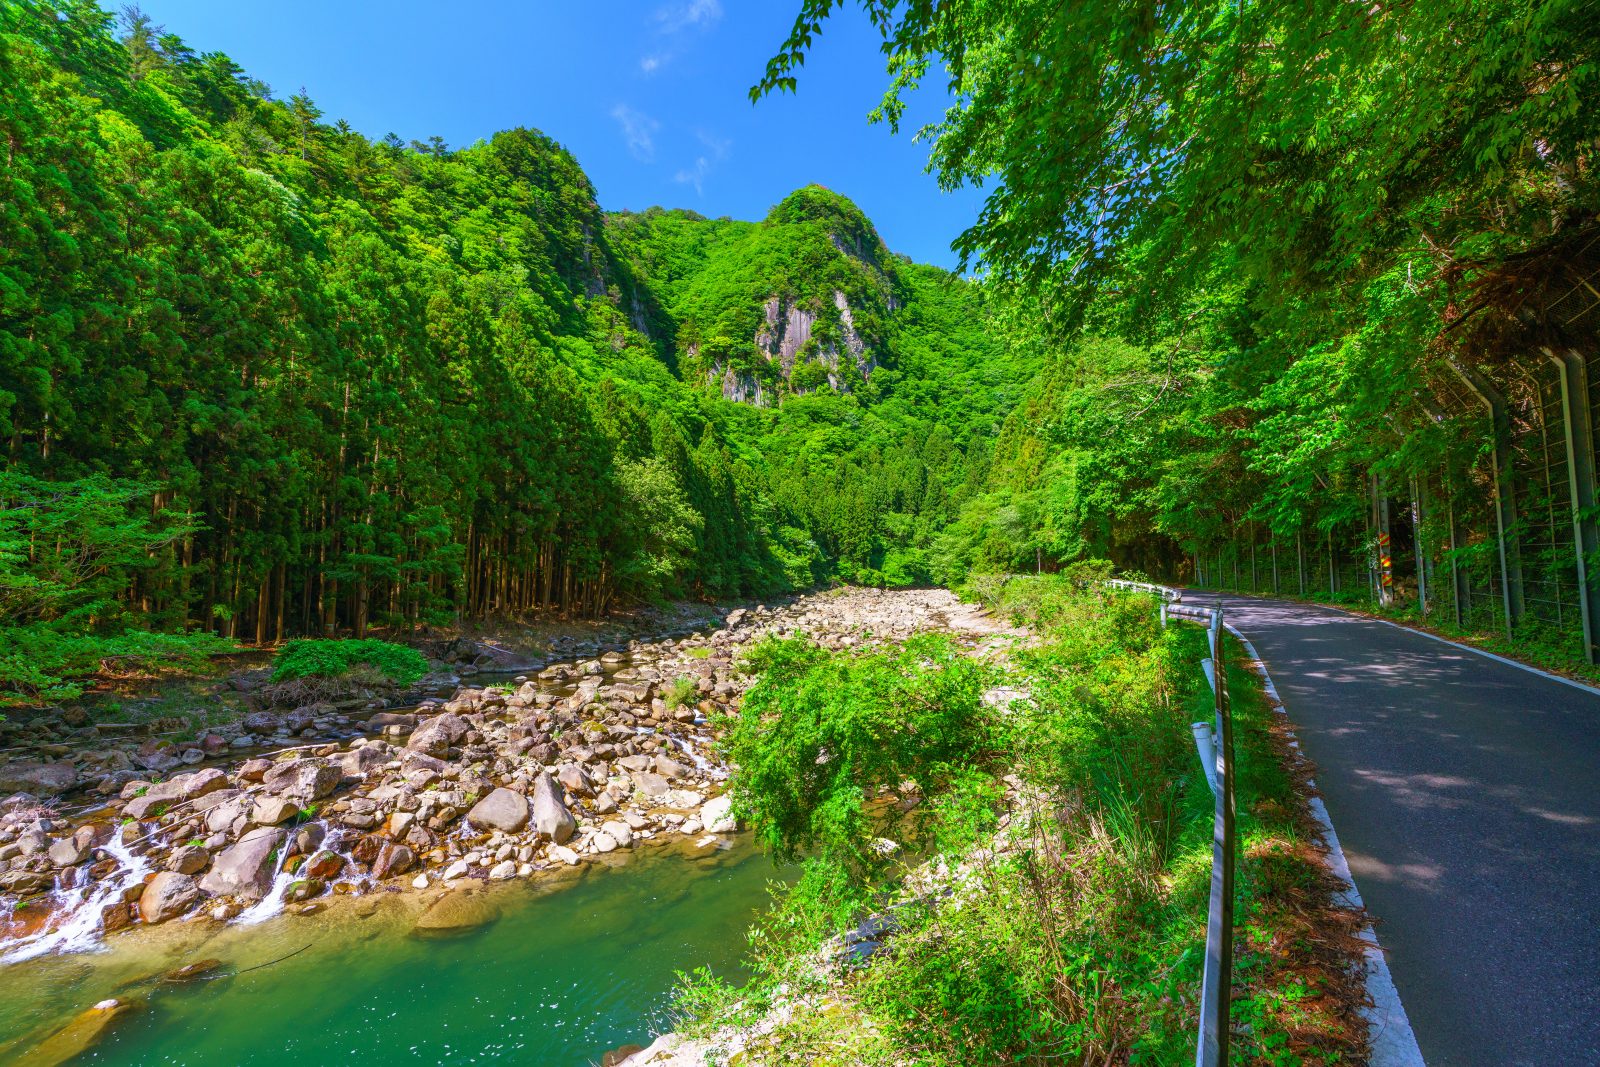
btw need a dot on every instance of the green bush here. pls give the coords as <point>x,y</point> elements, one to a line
<point>335,658</point>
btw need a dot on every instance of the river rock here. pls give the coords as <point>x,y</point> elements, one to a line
<point>682,799</point>
<point>504,871</point>
<point>668,767</point>
<point>651,784</point>
<point>393,859</point>
<point>455,913</point>
<point>168,895</point>
<point>68,852</point>
<point>550,815</point>
<point>436,736</point>
<point>191,971</point>
<point>40,779</point>
<point>189,859</point>
<point>246,869</point>
<point>359,762</point>
<point>80,1035</point>
<point>573,780</point>
<point>324,865</point>
<point>303,780</point>
<point>717,815</point>
<point>270,811</point>
<point>503,809</point>
<point>619,832</point>
<point>177,790</point>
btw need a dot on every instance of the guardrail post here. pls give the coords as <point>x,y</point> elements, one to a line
<point>1300,559</point>
<point>1216,985</point>
<point>1581,484</point>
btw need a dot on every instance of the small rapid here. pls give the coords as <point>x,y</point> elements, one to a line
<point>85,908</point>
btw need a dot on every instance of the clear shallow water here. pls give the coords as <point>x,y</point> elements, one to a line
<point>558,979</point>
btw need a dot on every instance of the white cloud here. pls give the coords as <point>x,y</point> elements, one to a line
<point>638,130</point>
<point>671,21</point>
<point>701,13</point>
<point>716,150</point>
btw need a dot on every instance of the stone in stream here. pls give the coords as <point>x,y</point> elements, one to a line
<point>392,860</point>
<point>619,832</point>
<point>504,809</point>
<point>191,971</point>
<point>270,811</point>
<point>651,784</point>
<point>68,852</point>
<point>188,859</point>
<point>40,779</point>
<point>455,913</point>
<point>303,780</point>
<point>436,736</point>
<point>83,1033</point>
<point>550,815</point>
<point>245,869</point>
<point>717,815</point>
<point>168,895</point>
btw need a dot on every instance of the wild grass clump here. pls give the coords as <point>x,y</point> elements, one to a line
<point>377,660</point>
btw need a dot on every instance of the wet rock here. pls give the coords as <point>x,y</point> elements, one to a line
<point>437,735</point>
<point>40,779</point>
<point>503,872</point>
<point>550,815</point>
<point>68,852</point>
<point>168,895</point>
<point>303,780</point>
<point>503,809</point>
<point>80,1035</point>
<point>245,869</point>
<point>324,865</point>
<point>189,972</point>
<point>456,913</point>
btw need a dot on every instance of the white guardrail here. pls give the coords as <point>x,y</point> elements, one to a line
<point>1214,743</point>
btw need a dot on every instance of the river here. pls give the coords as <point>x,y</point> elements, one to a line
<point>569,970</point>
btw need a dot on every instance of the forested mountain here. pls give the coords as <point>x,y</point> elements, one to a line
<point>324,382</point>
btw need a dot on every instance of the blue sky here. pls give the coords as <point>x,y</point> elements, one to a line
<point>650,95</point>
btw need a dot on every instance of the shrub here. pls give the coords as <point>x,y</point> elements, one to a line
<point>338,658</point>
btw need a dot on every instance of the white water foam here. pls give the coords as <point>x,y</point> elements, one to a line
<point>82,930</point>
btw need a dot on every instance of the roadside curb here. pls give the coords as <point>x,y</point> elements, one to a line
<point>1392,1041</point>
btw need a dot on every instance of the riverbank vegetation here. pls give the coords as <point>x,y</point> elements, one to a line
<point>1019,874</point>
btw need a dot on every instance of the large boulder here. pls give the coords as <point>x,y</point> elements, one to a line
<point>245,869</point>
<point>651,784</point>
<point>436,736</point>
<point>168,895</point>
<point>550,815</point>
<point>270,811</point>
<point>717,815</point>
<point>503,809</point>
<point>303,780</point>
<point>82,1033</point>
<point>40,779</point>
<point>359,762</point>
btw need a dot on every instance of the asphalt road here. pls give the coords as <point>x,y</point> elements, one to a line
<point>1466,794</point>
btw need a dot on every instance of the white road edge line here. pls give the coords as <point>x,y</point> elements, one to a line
<point>1389,1031</point>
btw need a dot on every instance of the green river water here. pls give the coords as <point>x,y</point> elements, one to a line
<point>569,969</point>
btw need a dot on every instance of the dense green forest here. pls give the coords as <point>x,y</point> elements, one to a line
<point>1275,260</point>
<point>312,383</point>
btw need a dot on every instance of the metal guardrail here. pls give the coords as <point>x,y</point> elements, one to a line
<point>1167,594</point>
<point>1214,743</point>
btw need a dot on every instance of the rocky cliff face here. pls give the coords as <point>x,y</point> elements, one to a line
<point>797,303</point>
